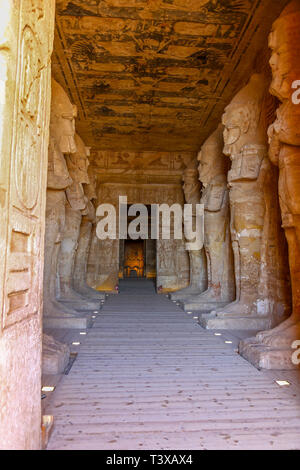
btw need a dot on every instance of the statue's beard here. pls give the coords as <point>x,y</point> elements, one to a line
<point>231,140</point>
<point>67,144</point>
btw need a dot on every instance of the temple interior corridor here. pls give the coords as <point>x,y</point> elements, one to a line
<point>150,224</point>
<point>147,376</point>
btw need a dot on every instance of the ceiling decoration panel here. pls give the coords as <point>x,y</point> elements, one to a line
<point>155,75</point>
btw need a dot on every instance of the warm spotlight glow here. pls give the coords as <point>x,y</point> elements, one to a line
<point>82,333</point>
<point>76,343</point>
<point>228,342</point>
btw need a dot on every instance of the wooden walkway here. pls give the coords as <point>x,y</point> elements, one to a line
<point>148,377</point>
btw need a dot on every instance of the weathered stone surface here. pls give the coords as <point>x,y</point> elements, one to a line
<point>83,248</point>
<point>197,267</point>
<point>245,144</point>
<point>55,356</point>
<point>273,349</point>
<point>77,204</point>
<point>26,39</point>
<point>213,169</point>
<point>62,130</point>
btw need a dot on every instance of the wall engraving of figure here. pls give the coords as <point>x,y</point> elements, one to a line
<point>245,144</point>
<point>213,167</point>
<point>197,271</point>
<point>272,349</point>
<point>76,206</point>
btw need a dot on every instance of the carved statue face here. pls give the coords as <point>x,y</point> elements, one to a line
<point>205,163</point>
<point>280,65</point>
<point>236,123</point>
<point>62,121</point>
<point>211,163</point>
<point>211,159</point>
<point>284,41</point>
<point>190,181</point>
<point>78,162</point>
<point>90,189</point>
<point>58,175</point>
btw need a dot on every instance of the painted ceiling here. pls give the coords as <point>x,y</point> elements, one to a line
<point>155,75</point>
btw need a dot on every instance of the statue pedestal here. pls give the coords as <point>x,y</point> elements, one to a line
<point>265,357</point>
<point>202,307</point>
<point>78,323</point>
<point>211,321</point>
<point>55,356</point>
<point>185,294</point>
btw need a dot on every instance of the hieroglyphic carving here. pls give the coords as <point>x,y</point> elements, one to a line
<point>29,148</point>
<point>131,162</point>
<point>100,269</point>
<point>26,39</point>
<point>143,194</point>
<point>153,69</point>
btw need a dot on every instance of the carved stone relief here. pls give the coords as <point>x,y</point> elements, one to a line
<point>197,261</point>
<point>213,169</point>
<point>273,349</point>
<point>26,39</point>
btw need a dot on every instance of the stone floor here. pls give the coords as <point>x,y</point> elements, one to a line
<point>147,376</point>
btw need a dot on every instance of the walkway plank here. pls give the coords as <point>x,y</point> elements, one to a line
<point>148,377</point>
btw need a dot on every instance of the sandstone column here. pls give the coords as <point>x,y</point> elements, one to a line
<point>198,273</point>
<point>245,144</point>
<point>273,349</point>
<point>213,167</point>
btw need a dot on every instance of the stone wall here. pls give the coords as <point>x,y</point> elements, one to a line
<point>26,39</point>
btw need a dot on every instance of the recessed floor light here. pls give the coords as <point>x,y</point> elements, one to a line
<point>48,388</point>
<point>228,342</point>
<point>76,343</point>
<point>82,333</point>
<point>94,316</point>
<point>96,311</point>
<point>195,318</point>
<point>189,313</point>
<point>283,383</point>
<point>217,334</point>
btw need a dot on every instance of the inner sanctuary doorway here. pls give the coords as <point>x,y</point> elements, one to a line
<point>109,341</point>
<point>134,258</point>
